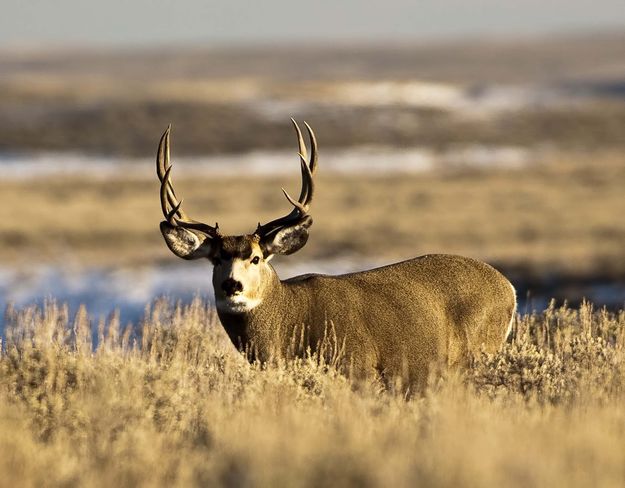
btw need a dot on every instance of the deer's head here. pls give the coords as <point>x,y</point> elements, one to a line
<point>241,270</point>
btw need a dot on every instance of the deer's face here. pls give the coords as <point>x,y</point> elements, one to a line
<point>241,273</point>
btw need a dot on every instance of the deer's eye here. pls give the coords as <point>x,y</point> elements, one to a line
<point>255,260</point>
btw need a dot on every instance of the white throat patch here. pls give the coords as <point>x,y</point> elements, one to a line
<point>237,304</point>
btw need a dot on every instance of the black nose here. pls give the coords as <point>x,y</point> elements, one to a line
<point>232,287</point>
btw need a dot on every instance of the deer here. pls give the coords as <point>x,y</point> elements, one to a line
<point>391,322</point>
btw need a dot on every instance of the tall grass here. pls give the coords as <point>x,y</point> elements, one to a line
<point>172,404</point>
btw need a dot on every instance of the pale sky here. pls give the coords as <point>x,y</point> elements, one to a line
<point>168,21</point>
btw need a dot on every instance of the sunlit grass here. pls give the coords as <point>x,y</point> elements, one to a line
<point>171,403</point>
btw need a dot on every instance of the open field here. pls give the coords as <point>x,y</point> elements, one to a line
<point>561,215</point>
<point>558,100</point>
<point>172,404</point>
<point>169,402</point>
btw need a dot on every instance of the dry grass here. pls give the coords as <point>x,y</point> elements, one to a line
<point>564,214</point>
<point>175,406</point>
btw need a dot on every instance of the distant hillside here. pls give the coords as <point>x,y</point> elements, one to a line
<point>559,90</point>
<point>499,60</point>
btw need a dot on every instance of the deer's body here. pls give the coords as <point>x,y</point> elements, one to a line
<point>394,321</point>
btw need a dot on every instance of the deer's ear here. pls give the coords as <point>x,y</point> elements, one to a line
<point>287,240</point>
<point>186,244</point>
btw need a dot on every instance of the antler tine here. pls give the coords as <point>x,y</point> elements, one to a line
<point>313,148</point>
<point>164,200</point>
<point>308,168</point>
<point>308,183</point>
<point>176,216</point>
<point>162,156</point>
<point>300,139</point>
<point>302,204</point>
<point>303,154</point>
<point>162,163</point>
<point>302,210</point>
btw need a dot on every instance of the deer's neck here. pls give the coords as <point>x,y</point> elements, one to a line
<point>266,330</point>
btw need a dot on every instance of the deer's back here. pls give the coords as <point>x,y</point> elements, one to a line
<point>406,315</point>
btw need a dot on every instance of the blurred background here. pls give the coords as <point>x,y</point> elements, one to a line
<point>479,127</point>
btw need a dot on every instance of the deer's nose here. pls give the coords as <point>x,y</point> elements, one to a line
<point>232,287</point>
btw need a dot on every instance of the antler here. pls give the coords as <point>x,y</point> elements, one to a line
<point>302,204</point>
<point>169,202</point>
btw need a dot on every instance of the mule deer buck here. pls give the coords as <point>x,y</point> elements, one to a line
<point>393,321</point>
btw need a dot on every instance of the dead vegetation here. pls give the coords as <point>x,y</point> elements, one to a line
<point>171,404</point>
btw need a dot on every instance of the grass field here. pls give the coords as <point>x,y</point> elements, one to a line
<point>172,404</point>
<point>563,214</point>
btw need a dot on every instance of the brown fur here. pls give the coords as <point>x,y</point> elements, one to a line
<point>397,320</point>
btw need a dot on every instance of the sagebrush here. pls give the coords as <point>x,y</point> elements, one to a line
<point>171,403</point>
